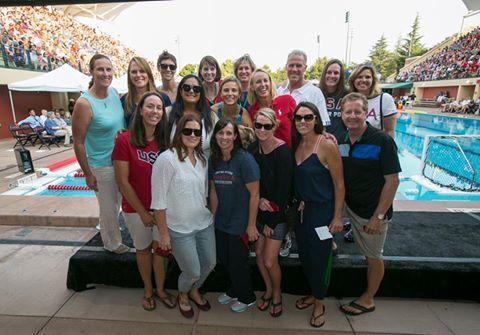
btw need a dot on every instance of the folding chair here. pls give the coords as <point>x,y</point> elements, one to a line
<point>47,140</point>
<point>19,135</point>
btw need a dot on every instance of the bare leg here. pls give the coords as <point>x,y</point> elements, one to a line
<point>270,260</point>
<point>259,252</point>
<point>144,264</point>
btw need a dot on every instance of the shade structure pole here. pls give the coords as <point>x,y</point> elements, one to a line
<point>11,105</point>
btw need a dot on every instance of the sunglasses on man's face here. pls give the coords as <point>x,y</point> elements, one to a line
<point>190,131</point>
<point>172,67</point>
<point>306,117</point>
<point>187,88</point>
<point>266,126</point>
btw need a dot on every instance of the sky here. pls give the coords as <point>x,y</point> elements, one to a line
<point>268,30</point>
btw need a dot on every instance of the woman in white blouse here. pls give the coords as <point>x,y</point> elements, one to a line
<point>179,190</point>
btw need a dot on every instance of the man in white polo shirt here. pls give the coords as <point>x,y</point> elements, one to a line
<point>300,88</point>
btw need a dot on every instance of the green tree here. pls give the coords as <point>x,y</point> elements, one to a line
<point>188,69</point>
<point>227,68</point>
<point>279,75</point>
<point>315,71</point>
<point>411,46</point>
<point>382,58</point>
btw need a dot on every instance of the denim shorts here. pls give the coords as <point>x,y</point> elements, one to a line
<point>279,232</point>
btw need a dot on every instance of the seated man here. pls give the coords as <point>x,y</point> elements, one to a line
<point>43,117</point>
<point>32,119</point>
<point>52,128</point>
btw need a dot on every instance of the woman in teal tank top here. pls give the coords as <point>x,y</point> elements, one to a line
<point>96,121</point>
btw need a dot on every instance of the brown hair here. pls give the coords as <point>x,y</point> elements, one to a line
<point>341,83</point>
<point>132,90</point>
<point>244,58</point>
<point>375,89</point>
<point>91,65</point>
<point>212,61</point>
<point>165,55</point>
<point>177,142</point>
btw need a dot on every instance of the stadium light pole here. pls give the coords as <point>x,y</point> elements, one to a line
<point>318,42</point>
<point>350,46</point>
<point>347,21</point>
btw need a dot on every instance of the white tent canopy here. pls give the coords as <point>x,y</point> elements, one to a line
<point>63,79</point>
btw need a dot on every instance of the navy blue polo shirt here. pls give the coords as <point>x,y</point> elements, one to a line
<point>365,163</point>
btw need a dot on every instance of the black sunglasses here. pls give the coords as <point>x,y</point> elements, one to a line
<point>306,117</point>
<point>259,125</point>
<point>187,88</point>
<point>190,131</point>
<point>172,67</point>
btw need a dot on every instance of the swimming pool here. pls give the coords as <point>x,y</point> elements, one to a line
<point>410,133</point>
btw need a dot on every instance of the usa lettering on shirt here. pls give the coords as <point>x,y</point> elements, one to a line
<point>333,108</point>
<point>147,157</point>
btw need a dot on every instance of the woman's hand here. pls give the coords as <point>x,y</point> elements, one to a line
<point>147,219</point>
<point>267,231</point>
<point>264,205</point>
<point>91,182</point>
<point>336,225</point>
<point>164,242</point>
<point>252,233</point>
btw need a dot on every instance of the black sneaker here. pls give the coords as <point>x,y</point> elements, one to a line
<point>349,236</point>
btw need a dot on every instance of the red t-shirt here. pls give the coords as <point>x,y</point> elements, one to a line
<point>283,106</point>
<point>141,162</point>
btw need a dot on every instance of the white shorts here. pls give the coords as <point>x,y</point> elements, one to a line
<point>142,236</point>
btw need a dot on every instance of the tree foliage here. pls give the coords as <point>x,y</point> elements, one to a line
<point>315,71</point>
<point>410,46</point>
<point>188,69</point>
<point>382,58</point>
<point>227,68</point>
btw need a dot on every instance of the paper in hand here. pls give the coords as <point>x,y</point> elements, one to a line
<point>323,233</point>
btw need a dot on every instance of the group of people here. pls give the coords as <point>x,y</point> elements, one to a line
<point>465,107</point>
<point>55,123</point>
<point>44,38</point>
<point>457,60</point>
<point>207,166</point>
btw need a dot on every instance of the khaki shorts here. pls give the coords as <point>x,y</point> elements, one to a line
<point>370,245</point>
<point>142,236</point>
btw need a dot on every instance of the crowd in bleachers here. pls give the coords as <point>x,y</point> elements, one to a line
<point>43,38</point>
<point>458,60</point>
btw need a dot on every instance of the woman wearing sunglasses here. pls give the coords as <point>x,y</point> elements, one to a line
<point>210,74</point>
<point>179,193</point>
<point>133,156</point>
<point>262,94</point>
<point>318,180</point>
<point>234,195</point>
<point>276,169</point>
<point>191,100</point>
<point>140,80</point>
<point>167,66</point>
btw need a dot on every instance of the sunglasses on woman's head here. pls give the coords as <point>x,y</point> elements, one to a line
<point>190,131</point>
<point>195,88</point>
<point>267,126</point>
<point>172,67</point>
<point>306,117</point>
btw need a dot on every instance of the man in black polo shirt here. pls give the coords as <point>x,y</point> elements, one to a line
<point>371,167</point>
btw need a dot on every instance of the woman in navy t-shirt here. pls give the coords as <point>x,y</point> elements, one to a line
<point>234,195</point>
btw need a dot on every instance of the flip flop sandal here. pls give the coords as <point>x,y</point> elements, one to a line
<point>265,303</point>
<point>168,300</point>
<point>361,308</point>
<point>148,303</point>
<point>273,313</point>
<point>303,302</point>
<point>314,318</point>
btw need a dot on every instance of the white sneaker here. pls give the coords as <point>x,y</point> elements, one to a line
<point>224,299</point>
<point>122,248</point>
<point>286,245</point>
<point>240,306</point>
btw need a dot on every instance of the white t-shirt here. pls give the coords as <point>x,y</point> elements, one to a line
<point>388,109</point>
<point>181,189</point>
<point>310,93</point>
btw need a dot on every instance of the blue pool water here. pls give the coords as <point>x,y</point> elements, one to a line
<point>410,133</point>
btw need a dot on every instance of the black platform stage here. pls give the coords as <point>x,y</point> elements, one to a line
<point>427,255</point>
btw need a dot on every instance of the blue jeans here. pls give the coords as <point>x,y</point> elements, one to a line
<point>195,255</point>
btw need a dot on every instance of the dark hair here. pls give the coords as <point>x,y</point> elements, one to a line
<point>91,65</point>
<point>215,151</point>
<point>341,83</point>
<point>137,128</point>
<point>166,55</point>
<point>212,61</point>
<point>202,106</point>
<point>177,142</point>
<point>318,129</point>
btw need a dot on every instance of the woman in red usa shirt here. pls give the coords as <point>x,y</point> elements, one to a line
<point>262,94</point>
<point>133,156</point>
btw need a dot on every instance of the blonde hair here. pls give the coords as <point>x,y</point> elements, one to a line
<point>375,90</point>
<point>252,96</point>
<point>244,58</point>
<point>267,113</point>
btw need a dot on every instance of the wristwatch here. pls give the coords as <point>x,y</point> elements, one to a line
<point>380,216</point>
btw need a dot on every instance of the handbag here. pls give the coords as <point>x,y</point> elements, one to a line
<point>292,214</point>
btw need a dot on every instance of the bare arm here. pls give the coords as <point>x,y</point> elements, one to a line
<point>254,189</point>
<point>82,117</point>
<point>335,167</point>
<point>389,125</point>
<point>122,171</point>
<point>213,199</point>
